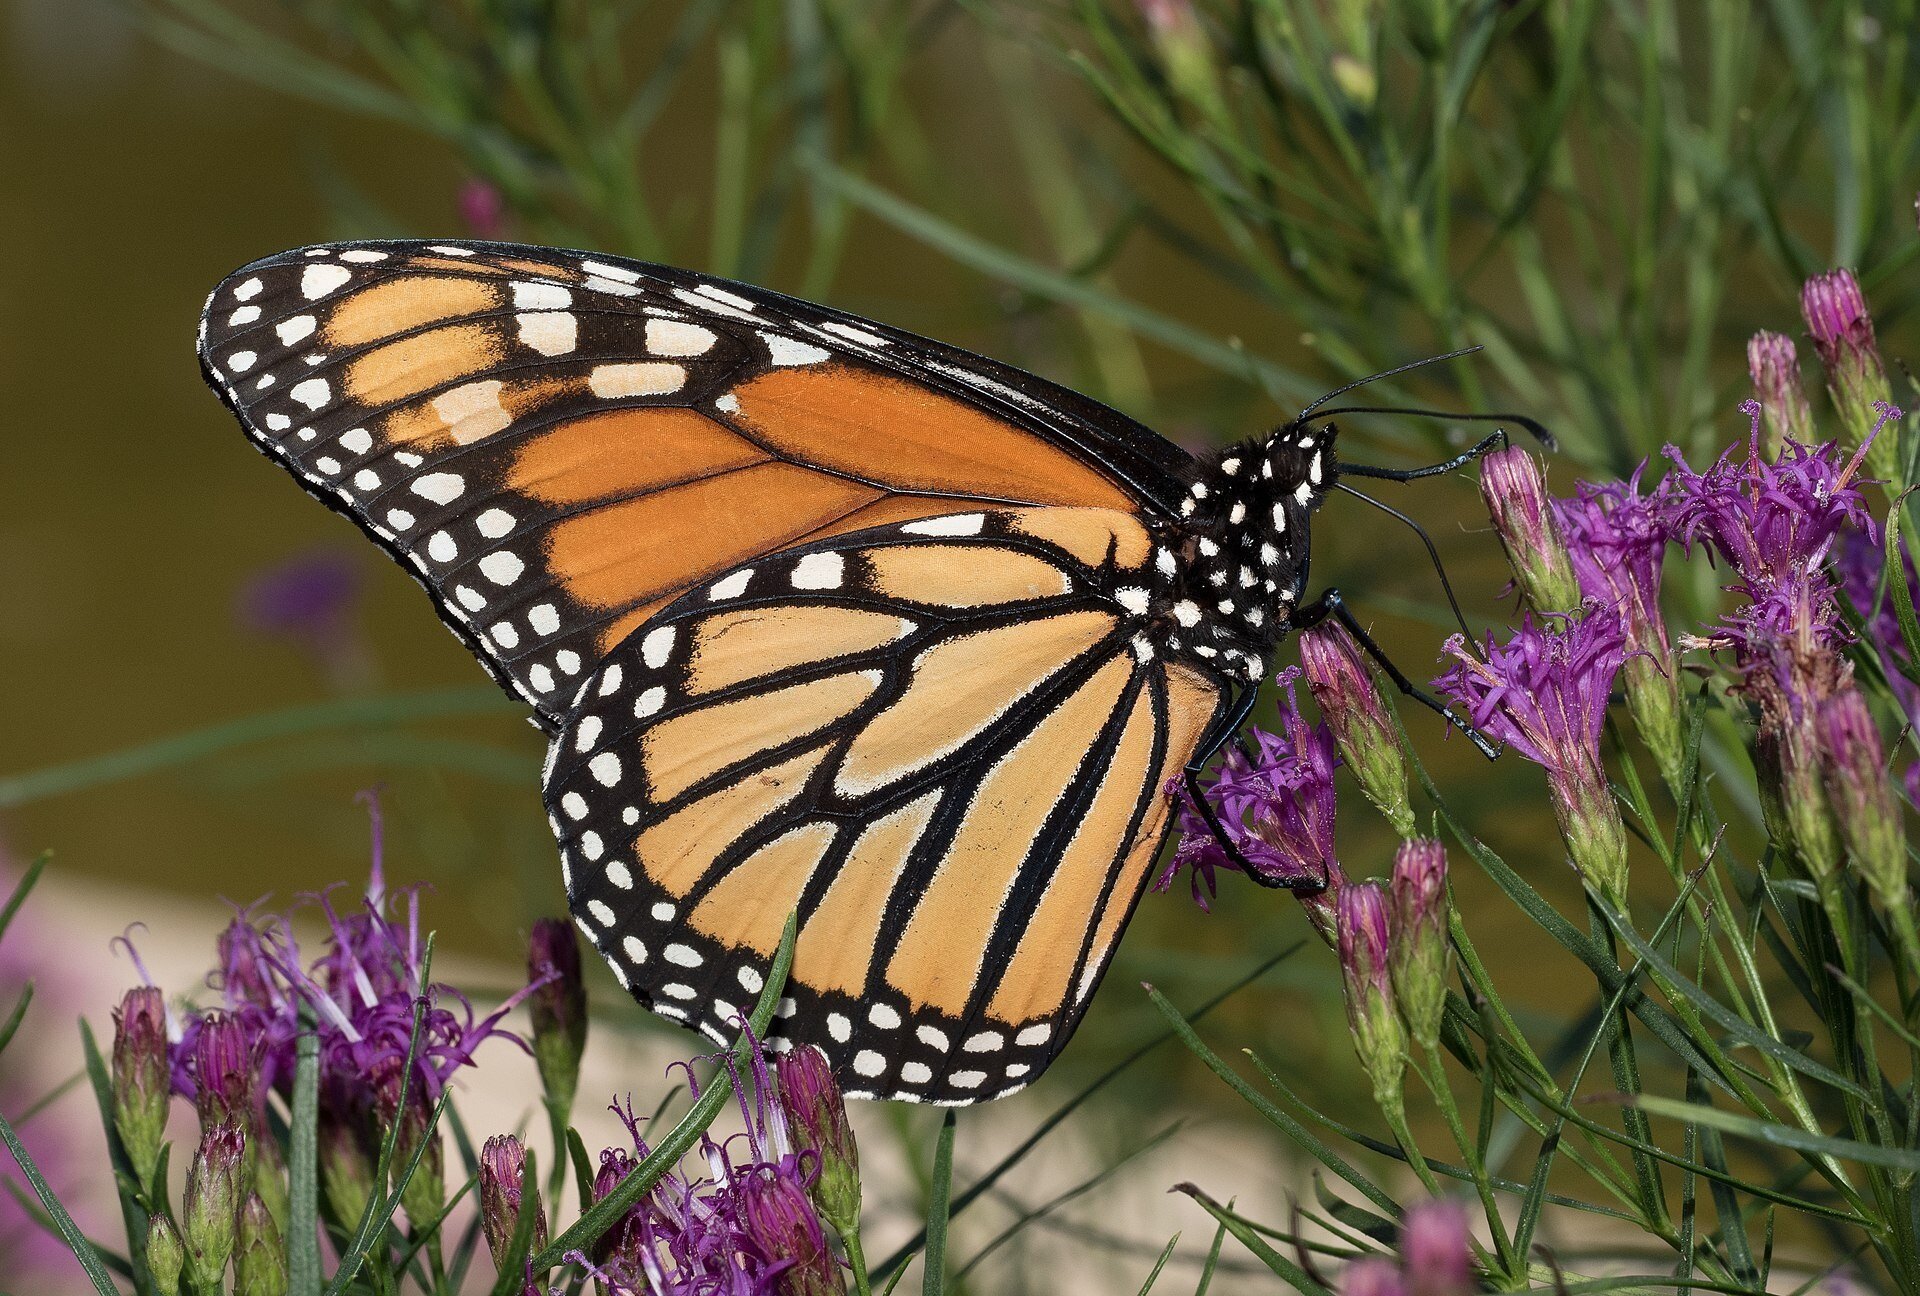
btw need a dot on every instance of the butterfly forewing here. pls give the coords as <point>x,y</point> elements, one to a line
<point>942,742</point>
<point>560,444</point>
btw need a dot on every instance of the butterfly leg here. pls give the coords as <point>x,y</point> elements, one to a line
<point>1485,446</point>
<point>1330,604</point>
<point>1222,734</point>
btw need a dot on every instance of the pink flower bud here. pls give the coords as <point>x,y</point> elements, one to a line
<point>1775,368</point>
<point>1836,313</point>
<point>1436,1250</point>
<point>1343,684</point>
<point>142,1078</point>
<point>1365,956</point>
<point>1515,490</point>
<point>503,1168</point>
<point>558,1005</point>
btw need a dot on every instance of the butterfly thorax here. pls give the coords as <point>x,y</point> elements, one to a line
<point>1237,566</point>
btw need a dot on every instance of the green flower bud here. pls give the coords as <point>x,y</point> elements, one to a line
<point>346,1170</point>
<point>425,1194</point>
<point>1862,796</point>
<point>1186,54</point>
<point>212,1204</point>
<point>1420,952</point>
<point>142,1078</point>
<point>1365,960</point>
<point>260,1257</point>
<point>166,1258</point>
<point>1590,823</point>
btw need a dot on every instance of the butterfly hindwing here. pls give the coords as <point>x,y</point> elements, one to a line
<point>943,742</point>
<point>561,444</point>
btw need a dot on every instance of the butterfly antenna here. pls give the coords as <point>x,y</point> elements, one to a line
<point>1384,373</point>
<point>1433,553</point>
<point>1533,426</point>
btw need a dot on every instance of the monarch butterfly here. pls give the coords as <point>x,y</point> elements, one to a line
<point>818,615</point>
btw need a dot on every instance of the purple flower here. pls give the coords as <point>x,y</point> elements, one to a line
<point>1618,541</point>
<point>362,990</point>
<point>1860,561</point>
<point>1770,522</point>
<point>312,600</point>
<point>735,1217</point>
<point>1544,693</point>
<point>1277,808</point>
<point>779,1221</point>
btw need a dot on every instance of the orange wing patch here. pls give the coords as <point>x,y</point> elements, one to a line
<point>928,442</point>
<point>962,840</point>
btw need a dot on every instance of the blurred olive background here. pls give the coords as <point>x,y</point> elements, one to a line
<point>1136,202</point>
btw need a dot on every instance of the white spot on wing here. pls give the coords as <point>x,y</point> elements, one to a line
<point>819,571</point>
<point>551,333</point>
<point>655,647</point>
<point>646,378</point>
<point>786,351</point>
<point>959,524</point>
<point>732,586</point>
<point>678,338</point>
<point>541,297</point>
<point>316,281</point>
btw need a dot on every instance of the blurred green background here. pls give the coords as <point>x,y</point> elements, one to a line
<point>1204,214</point>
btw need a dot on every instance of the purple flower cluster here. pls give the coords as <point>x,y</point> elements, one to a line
<point>1775,524</point>
<point>1617,540</point>
<point>1276,806</point>
<point>741,1222</point>
<point>1544,693</point>
<point>362,991</point>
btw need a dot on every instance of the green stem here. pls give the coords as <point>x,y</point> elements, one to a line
<point>1434,1073</point>
<point>856,1260</point>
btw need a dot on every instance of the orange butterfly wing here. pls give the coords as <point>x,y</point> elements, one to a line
<point>560,444</point>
